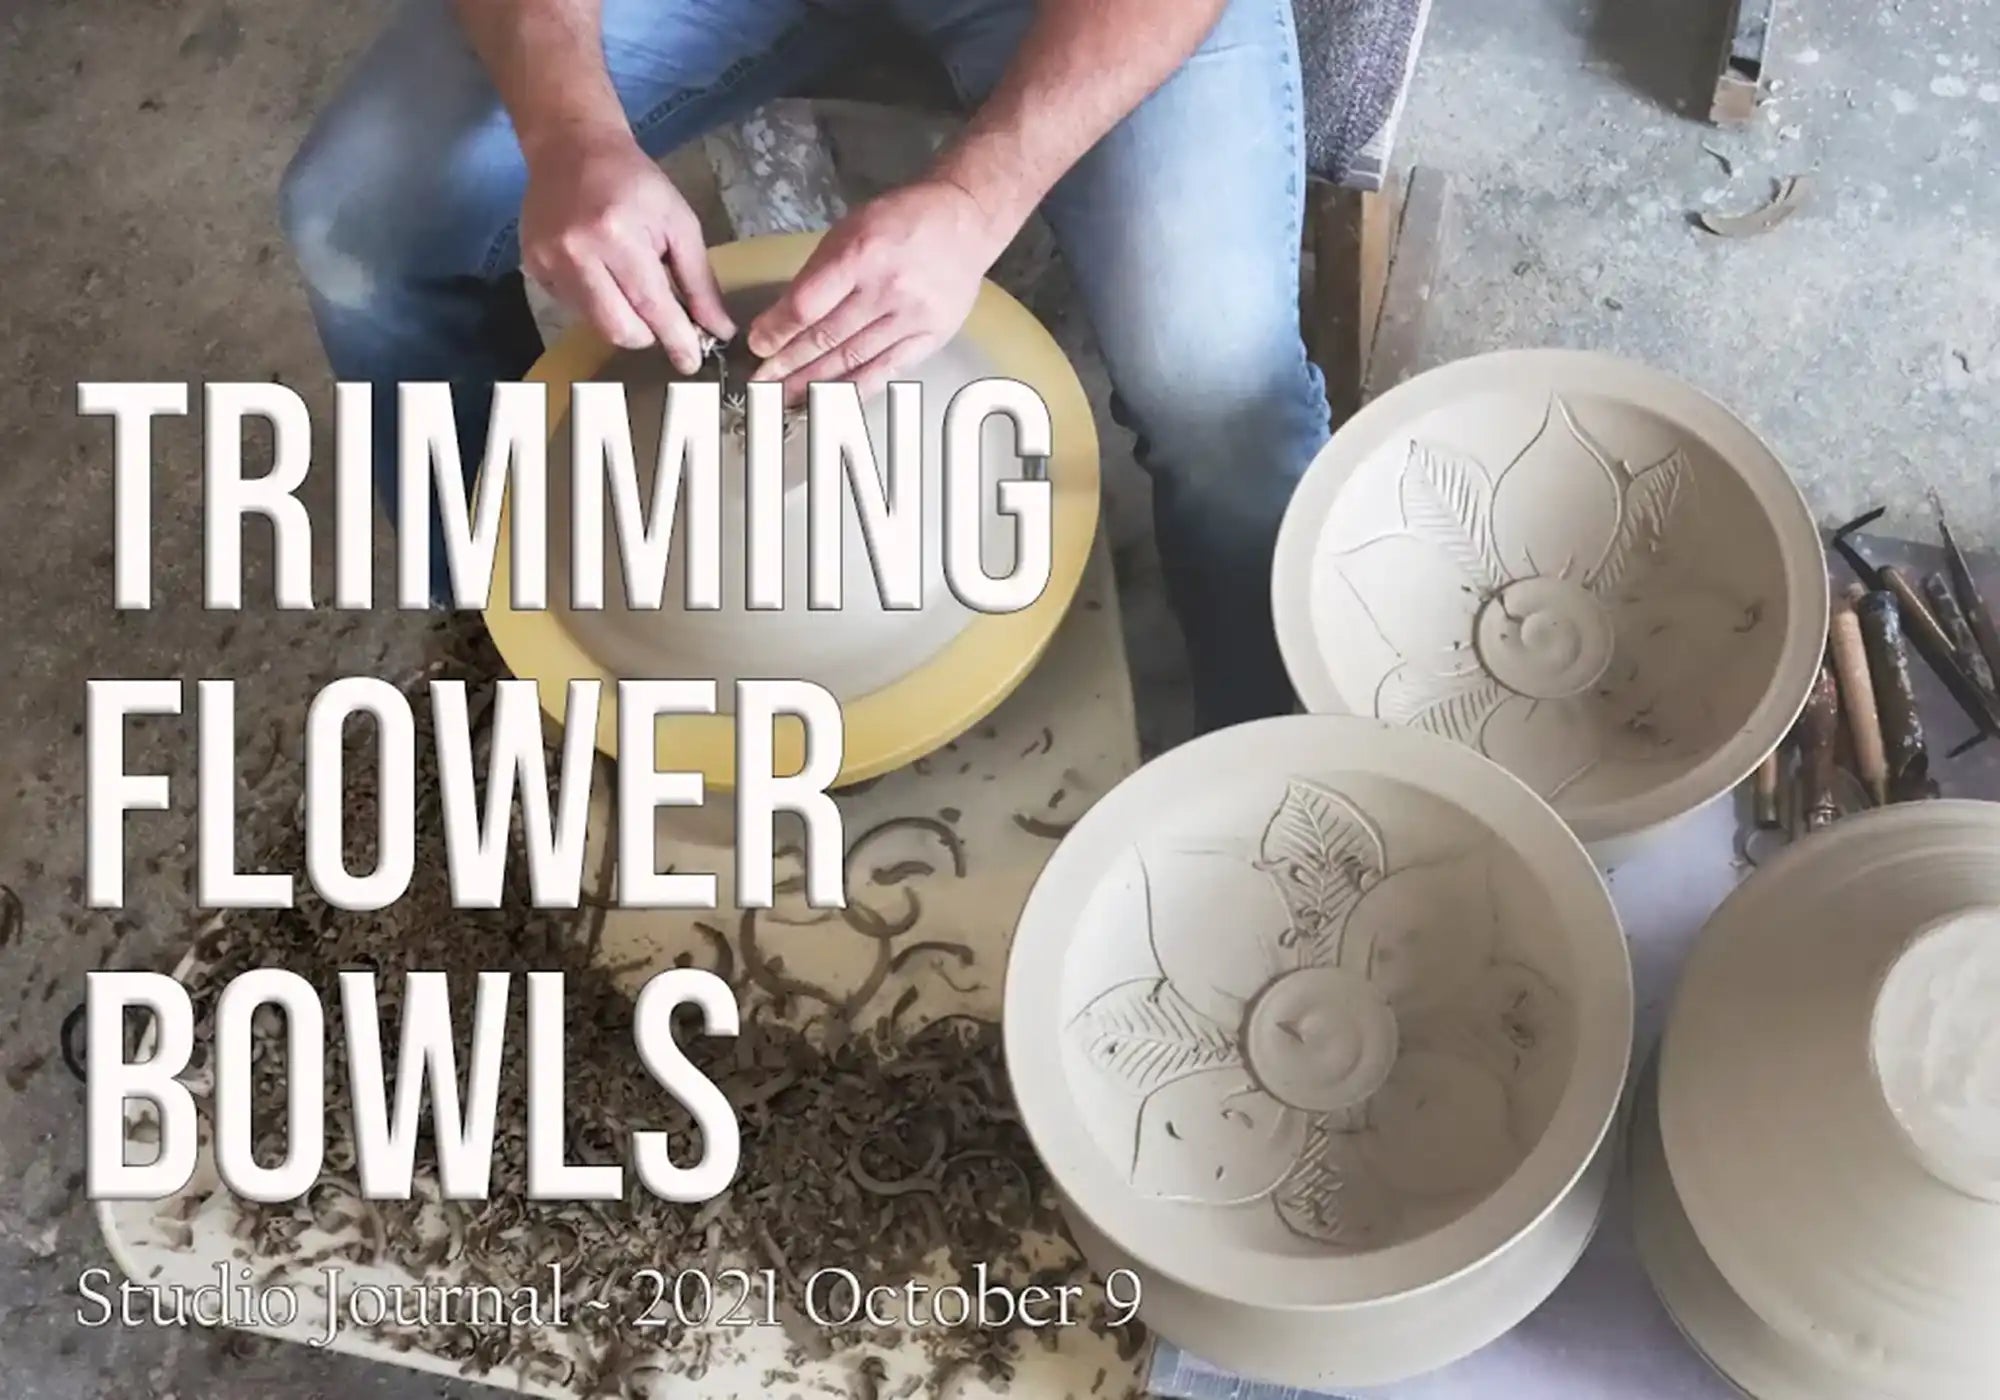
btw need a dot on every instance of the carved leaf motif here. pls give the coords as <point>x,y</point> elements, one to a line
<point>1547,744</point>
<point>1441,1125</point>
<point>1324,855</point>
<point>1333,1196</point>
<point>1650,498</point>
<point>1423,935</point>
<point>1448,500</point>
<point>1214,1137</point>
<point>1556,506</point>
<point>1191,896</point>
<point>1143,1035</point>
<point>1455,707</point>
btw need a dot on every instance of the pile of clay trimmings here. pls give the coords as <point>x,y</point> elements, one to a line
<point>870,1149</point>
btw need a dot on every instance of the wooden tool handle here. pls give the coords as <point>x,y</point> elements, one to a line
<point>1895,698</point>
<point>1764,795</point>
<point>1819,725</point>
<point>1857,698</point>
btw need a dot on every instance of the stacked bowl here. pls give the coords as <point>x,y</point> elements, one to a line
<point>1321,1023</point>
<point>1320,1026</point>
<point>1817,1183</point>
<point>1584,569</point>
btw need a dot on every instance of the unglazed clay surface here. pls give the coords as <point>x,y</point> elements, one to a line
<point>1827,1102</point>
<point>1936,1047</point>
<point>1380,1344</point>
<point>1360,1042</point>
<point>1719,1325</point>
<point>1531,554</point>
<point>1316,1011</point>
<point>859,648</point>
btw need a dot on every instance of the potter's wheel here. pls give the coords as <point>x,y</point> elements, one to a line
<point>1828,1103</point>
<point>909,679</point>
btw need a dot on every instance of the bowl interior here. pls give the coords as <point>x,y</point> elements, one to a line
<point>859,648</point>
<point>1577,573</point>
<point>1317,1015</point>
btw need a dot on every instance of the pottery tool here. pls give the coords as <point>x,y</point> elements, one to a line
<point>1978,616</point>
<point>1764,796</point>
<point>1924,632</point>
<point>1895,699</point>
<point>1857,694</point>
<point>1928,635</point>
<point>1818,730</point>
<point>1945,607</point>
<point>1770,830</point>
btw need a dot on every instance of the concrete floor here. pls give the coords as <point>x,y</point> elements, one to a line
<point>136,201</point>
<point>1862,338</point>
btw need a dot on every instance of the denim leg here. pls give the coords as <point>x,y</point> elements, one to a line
<point>1182,230</point>
<point>402,206</point>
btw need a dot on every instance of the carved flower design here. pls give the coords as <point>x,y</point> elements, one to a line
<point>1539,616</point>
<point>1326,1032</point>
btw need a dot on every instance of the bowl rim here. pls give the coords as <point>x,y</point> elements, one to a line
<point>1040,1072</point>
<point>1844,1144</point>
<point>1533,1264</point>
<point>1802,556</point>
<point>963,682</point>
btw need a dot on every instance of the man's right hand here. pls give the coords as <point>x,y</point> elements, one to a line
<point>604,229</point>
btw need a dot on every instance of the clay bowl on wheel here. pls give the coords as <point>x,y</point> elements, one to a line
<point>1586,570</point>
<point>1818,1194</point>
<point>908,681</point>
<point>1320,1025</point>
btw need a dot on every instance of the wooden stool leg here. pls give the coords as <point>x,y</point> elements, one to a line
<point>1423,225</point>
<point>1333,313</point>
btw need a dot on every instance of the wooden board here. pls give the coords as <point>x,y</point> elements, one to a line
<point>1741,79</point>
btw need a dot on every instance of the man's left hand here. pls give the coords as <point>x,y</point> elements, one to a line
<point>888,284</point>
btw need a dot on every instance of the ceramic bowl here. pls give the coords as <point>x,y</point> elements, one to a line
<point>1829,1116</point>
<point>1317,1014</point>
<point>1533,553</point>
<point>1373,1343</point>
<point>908,680</point>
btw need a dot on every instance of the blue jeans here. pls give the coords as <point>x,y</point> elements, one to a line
<point>1181,230</point>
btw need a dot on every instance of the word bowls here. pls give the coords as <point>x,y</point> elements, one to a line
<point>908,679</point>
<point>1818,1194</point>
<point>1582,568</point>
<point>1320,1025</point>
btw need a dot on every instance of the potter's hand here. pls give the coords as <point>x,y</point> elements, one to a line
<point>887,285</point>
<point>606,232</point>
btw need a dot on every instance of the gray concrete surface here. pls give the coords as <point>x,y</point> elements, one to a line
<point>143,143</point>
<point>1862,337</point>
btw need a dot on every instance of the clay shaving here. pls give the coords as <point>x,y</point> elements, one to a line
<point>872,1148</point>
<point>1790,198</point>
